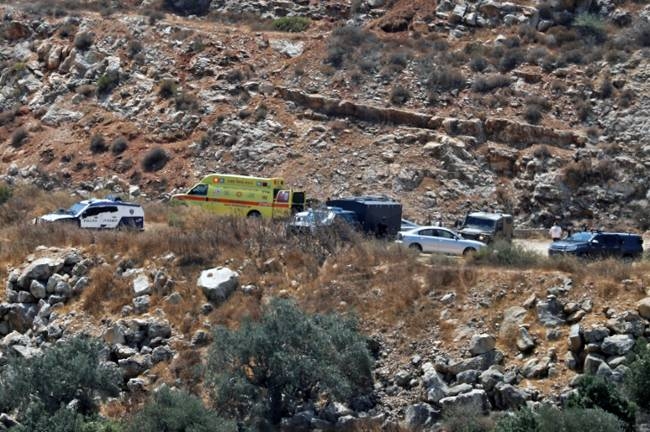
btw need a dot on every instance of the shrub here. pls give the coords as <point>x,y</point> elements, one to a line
<point>584,172</point>
<point>641,33</point>
<point>155,160</point>
<point>548,419</point>
<point>606,88</point>
<point>134,47</point>
<point>293,24</point>
<point>119,145</point>
<point>344,43</point>
<point>64,372</point>
<point>444,78</point>
<point>83,41</point>
<point>583,110</point>
<point>8,116</point>
<point>485,84</point>
<point>399,95</point>
<point>154,15</point>
<point>502,253</point>
<point>98,144</point>
<point>591,26</point>
<point>18,137</point>
<point>511,59</point>
<point>595,392</point>
<point>264,369</point>
<point>626,97</point>
<point>177,411</point>
<point>86,90</point>
<point>478,64</point>
<point>186,102</point>
<point>167,88</point>
<point>188,7</point>
<point>637,380</point>
<point>5,193</point>
<point>533,113</point>
<point>466,420</point>
<point>107,82</point>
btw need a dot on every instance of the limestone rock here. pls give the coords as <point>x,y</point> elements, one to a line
<point>218,283</point>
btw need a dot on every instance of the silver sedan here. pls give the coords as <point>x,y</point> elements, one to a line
<point>439,240</point>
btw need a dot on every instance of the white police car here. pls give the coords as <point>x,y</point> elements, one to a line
<point>109,213</point>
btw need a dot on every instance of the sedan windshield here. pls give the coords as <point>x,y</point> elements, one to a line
<point>76,209</point>
<point>580,237</point>
<point>485,224</point>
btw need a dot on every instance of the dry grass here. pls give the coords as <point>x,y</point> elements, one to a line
<point>107,292</point>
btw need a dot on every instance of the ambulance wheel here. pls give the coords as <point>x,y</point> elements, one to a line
<point>254,214</point>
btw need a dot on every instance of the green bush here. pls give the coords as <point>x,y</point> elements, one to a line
<point>264,369</point>
<point>637,380</point>
<point>155,160</point>
<point>399,95</point>
<point>503,253</point>
<point>63,420</point>
<point>177,411</point>
<point>67,371</point>
<point>107,82</point>
<point>292,24</point>
<point>167,88</point>
<point>549,419</point>
<point>5,193</point>
<point>119,145</point>
<point>594,392</point>
<point>467,420</point>
<point>591,26</point>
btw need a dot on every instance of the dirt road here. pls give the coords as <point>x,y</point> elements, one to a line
<point>539,246</point>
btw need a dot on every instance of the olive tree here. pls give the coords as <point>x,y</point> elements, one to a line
<point>265,368</point>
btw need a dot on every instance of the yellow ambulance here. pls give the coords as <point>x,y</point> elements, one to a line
<point>237,195</point>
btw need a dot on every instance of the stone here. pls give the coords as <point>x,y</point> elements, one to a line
<point>141,285</point>
<point>56,115</point>
<point>458,389</point>
<point>402,378</point>
<point>142,303</point>
<point>289,48</point>
<point>114,335</point>
<point>468,377</point>
<point>335,410</point>
<point>136,385</point>
<point>595,334</point>
<point>508,397</point>
<point>161,353</point>
<point>434,385</point>
<point>37,290</point>
<point>490,378</point>
<point>643,306</point>
<point>218,283</point>
<point>135,365</point>
<point>575,338</point>
<point>536,368</point>
<point>26,352</point>
<point>159,329</point>
<point>549,312</point>
<point>592,363</point>
<point>40,269</point>
<point>482,343</point>
<point>617,345</point>
<point>473,401</point>
<point>420,416</point>
<point>525,342</point>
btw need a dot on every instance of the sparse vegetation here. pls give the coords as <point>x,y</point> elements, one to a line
<point>98,144</point>
<point>107,82</point>
<point>155,160</point>
<point>119,145</point>
<point>585,172</point>
<point>18,137</point>
<point>186,102</point>
<point>552,419</point>
<point>502,253</point>
<point>445,78</point>
<point>291,24</point>
<point>167,88</point>
<point>485,84</point>
<point>591,26</point>
<point>134,47</point>
<point>595,392</point>
<point>83,41</point>
<point>399,95</point>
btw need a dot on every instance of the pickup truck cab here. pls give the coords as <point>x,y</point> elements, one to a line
<point>596,244</point>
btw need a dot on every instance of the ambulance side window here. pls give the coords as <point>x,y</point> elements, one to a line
<point>282,196</point>
<point>200,189</point>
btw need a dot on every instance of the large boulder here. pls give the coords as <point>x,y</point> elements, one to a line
<point>420,416</point>
<point>40,269</point>
<point>509,397</point>
<point>218,283</point>
<point>482,343</point>
<point>644,307</point>
<point>617,345</point>
<point>434,385</point>
<point>473,401</point>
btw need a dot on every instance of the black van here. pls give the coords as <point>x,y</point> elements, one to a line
<point>597,244</point>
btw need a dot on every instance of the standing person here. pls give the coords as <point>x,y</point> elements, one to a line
<point>555,232</point>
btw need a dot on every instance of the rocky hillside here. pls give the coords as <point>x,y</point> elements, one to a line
<point>535,109</point>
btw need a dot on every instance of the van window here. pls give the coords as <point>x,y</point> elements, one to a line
<point>199,189</point>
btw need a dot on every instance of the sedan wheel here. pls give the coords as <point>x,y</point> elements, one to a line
<point>469,252</point>
<point>415,246</point>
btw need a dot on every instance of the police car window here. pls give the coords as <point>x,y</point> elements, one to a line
<point>93,211</point>
<point>200,189</point>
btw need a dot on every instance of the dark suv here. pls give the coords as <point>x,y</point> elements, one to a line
<point>598,244</point>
